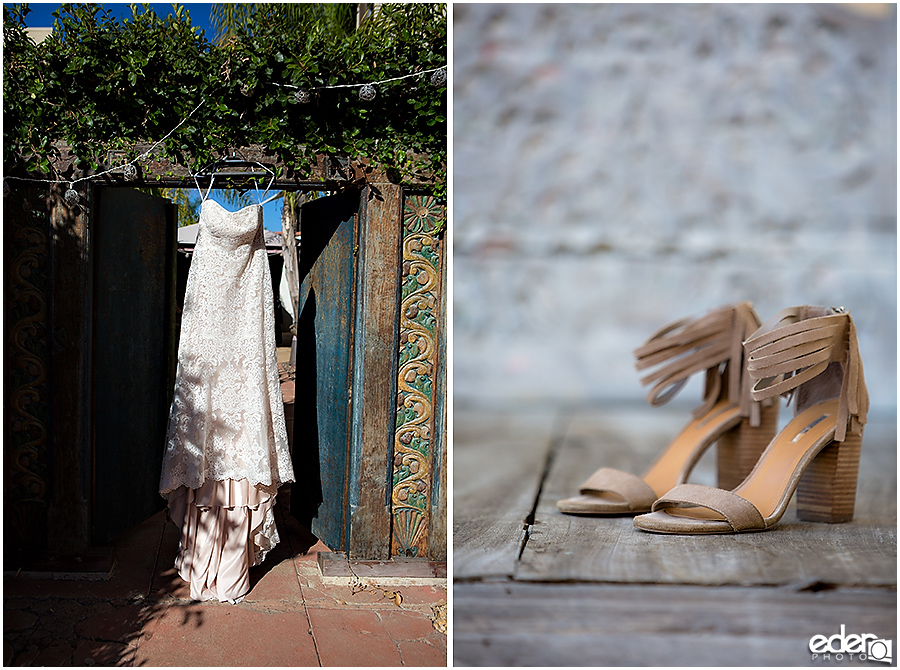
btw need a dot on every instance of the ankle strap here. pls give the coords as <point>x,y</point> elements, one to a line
<point>796,345</point>
<point>696,344</point>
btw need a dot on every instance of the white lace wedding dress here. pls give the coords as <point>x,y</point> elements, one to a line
<point>226,446</point>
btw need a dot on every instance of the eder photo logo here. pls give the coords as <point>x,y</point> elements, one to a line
<point>863,647</point>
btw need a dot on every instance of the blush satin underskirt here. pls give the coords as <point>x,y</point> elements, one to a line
<point>226,528</point>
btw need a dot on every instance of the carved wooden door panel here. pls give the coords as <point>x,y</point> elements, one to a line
<point>322,402</point>
<point>133,355</point>
<point>418,495</point>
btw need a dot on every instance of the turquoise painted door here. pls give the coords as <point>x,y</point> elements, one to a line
<point>133,354</point>
<point>322,402</point>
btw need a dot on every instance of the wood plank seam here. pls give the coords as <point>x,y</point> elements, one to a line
<point>557,436</point>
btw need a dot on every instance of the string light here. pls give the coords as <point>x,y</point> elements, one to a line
<point>373,83</point>
<point>367,92</point>
<point>439,77</point>
<point>129,170</point>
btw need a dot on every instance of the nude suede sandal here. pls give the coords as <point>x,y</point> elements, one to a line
<point>742,428</point>
<point>810,353</point>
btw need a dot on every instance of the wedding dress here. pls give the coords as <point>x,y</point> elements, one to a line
<point>226,445</point>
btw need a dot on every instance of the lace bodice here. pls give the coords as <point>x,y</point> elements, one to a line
<point>227,415</point>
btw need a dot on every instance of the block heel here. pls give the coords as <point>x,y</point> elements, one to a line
<point>827,490</point>
<point>810,354</point>
<point>739,449</point>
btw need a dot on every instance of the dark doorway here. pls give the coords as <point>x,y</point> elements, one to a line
<point>327,273</point>
<point>133,355</point>
<point>138,288</point>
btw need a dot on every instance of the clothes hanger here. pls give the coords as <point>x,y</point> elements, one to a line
<point>230,167</point>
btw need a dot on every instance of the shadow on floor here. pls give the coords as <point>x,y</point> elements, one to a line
<point>55,623</point>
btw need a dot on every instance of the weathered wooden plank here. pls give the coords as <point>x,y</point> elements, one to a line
<point>132,262</point>
<point>437,545</point>
<point>324,337</point>
<point>564,548</point>
<point>69,529</point>
<point>437,541</point>
<point>513,624</point>
<point>375,371</point>
<point>28,391</point>
<point>498,462</point>
<point>325,169</point>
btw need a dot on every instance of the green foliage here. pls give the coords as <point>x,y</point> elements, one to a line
<point>98,84</point>
<point>337,20</point>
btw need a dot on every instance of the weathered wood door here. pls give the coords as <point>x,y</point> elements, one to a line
<point>133,355</point>
<point>322,404</point>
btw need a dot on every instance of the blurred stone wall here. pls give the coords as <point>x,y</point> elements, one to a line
<point>618,166</point>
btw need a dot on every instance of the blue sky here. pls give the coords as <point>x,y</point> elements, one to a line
<point>41,17</point>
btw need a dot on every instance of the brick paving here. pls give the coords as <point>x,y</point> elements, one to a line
<point>143,614</point>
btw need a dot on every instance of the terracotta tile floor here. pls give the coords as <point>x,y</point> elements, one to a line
<point>292,616</point>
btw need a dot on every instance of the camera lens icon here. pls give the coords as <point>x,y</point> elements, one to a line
<point>881,650</point>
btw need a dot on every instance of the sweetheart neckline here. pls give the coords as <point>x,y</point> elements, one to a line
<point>222,207</point>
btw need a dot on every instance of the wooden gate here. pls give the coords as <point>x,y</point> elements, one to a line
<point>370,447</point>
<point>322,404</point>
<point>371,482</point>
<point>134,261</point>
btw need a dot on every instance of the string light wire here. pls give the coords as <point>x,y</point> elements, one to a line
<point>372,83</point>
<point>149,151</point>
